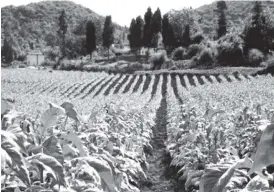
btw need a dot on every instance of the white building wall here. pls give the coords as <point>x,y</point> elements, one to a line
<point>35,60</point>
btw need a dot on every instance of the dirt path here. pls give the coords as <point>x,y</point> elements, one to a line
<point>157,182</point>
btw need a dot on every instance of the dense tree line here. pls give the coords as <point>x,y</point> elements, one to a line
<point>35,26</point>
<point>152,31</point>
<point>90,43</point>
<point>65,43</point>
<point>235,47</point>
<point>145,33</point>
<point>156,28</point>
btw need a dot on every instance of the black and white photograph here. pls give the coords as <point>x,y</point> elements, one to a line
<point>137,96</point>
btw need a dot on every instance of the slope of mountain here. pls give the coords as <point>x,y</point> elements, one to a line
<point>36,24</point>
<point>236,14</point>
<point>206,18</point>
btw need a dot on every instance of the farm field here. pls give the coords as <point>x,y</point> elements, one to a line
<point>95,89</point>
<point>153,132</point>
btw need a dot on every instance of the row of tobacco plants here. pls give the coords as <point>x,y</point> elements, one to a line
<point>221,138</point>
<point>60,150</point>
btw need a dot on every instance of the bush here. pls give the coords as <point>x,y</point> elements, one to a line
<point>131,67</point>
<point>48,63</point>
<point>169,50</point>
<point>269,66</point>
<point>22,66</point>
<point>193,50</point>
<point>52,53</point>
<point>255,57</point>
<point>197,38</point>
<point>158,59</point>
<point>230,52</point>
<point>206,57</point>
<point>178,53</point>
<point>21,57</point>
<point>69,65</point>
<point>270,61</point>
<point>186,64</point>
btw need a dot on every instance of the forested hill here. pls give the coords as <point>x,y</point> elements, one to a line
<point>237,12</point>
<point>205,18</point>
<point>37,23</point>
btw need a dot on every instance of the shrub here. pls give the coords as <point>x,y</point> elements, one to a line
<point>52,54</point>
<point>69,65</point>
<point>16,64</point>
<point>270,61</point>
<point>186,64</point>
<point>116,51</point>
<point>206,57</point>
<point>269,66</point>
<point>48,63</point>
<point>178,53</point>
<point>230,52</point>
<point>21,57</point>
<point>132,67</point>
<point>170,64</point>
<point>197,38</point>
<point>255,57</point>
<point>193,50</point>
<point>169,50</point>
<point>158,59</point>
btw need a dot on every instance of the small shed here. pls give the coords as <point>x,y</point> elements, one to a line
<point>35,58</point>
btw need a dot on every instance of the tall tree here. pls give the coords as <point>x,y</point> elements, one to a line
<point>165,25</point>
<point>257,34</point>
<point>186,36</point>
<point>257,17</point>
<point>90,37</point>
<point>108,33</point>
<point>222,28</point>
<point>139,32</point>
<point>131,35</point>
<point>136,34</point>
<point>147,37</point>
<point>63,26</point>
<point>156,23</point>
<point>7,51</point>
<point>156,27</point>
<point>168,33</point>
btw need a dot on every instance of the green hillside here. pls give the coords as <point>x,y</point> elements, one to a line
<point>204,18</point>
<point>237,12</point>
<point>36,24</point>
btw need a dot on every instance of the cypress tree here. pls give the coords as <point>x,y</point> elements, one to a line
<point>222,28</point>
<point>108,33</point>
<point>7,52</point>
<point>147,35</point>
<point>131,35</point>
<point>90,37</point>
<point>62,33</point>
<point>186,36</point>
<point>139,32</point>
<point>136,34</point>
<point>156,23</point>
<point>257,34</point>
<point>156,27</point>
<point>165,30</point>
